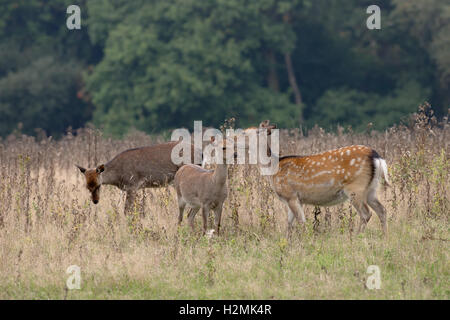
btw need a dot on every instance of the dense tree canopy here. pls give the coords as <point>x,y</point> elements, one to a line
<point>41,66</point>
<point>160,64</point>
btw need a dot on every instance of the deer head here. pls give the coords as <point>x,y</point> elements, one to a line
<point>266,125</point>
<point>93,181</point>
<point>223,144</point>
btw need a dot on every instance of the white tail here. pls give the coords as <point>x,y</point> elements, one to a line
<point>385,170</point>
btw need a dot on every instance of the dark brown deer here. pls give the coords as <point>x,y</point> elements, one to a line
<point>134,169</point>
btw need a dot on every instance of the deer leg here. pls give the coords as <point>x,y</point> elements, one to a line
<point>291,217</point>
<point>189,211</point>
<point>191,216</point>
<point>295,212</point>
<point>364,214</point>
<point>129,202</point>
<point>217,217</point>
<point>379,209</point>
<point>181,206</point>
<point>205,213</point>
<point>302,213</point>
<point>316,223</point>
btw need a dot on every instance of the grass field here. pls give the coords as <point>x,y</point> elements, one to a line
<point>48,223</point>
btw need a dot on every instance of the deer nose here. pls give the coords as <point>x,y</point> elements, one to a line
<point>95,201</point>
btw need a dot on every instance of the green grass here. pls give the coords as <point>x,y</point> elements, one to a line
<point>328,265</point>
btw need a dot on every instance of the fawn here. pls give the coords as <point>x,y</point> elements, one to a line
<point>201,188</point>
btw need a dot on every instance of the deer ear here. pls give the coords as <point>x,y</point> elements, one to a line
<point>100,168</point>
<point>83,170</point>
<point>264,124</point>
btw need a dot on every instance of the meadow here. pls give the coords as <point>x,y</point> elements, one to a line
<point>48,223</point>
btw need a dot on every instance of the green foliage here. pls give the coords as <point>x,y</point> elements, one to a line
<point>165,67</point>
<point>41,95</point>
<point>41,62</point>
<point>40,25</point>
<point>358,109</point>
<point>160,64</point>
<point>428,21</point>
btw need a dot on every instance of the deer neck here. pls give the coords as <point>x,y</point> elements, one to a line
<point>220,173</point>
<point>273,159</point>
<point>108,176</point>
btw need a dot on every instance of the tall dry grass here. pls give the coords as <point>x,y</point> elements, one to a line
<point>47,223</point>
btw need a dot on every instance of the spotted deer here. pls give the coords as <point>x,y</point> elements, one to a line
<point>134,169</point>
<point>201,188</point>
<point>329,178</point>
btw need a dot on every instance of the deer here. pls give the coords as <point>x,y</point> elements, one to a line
<point>198,188</point>
<point>328,178</point>
<point>134,169</point>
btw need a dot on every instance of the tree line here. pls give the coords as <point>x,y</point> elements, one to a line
<point>161,64</point>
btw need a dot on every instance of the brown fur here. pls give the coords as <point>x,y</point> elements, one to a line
<point>201,188</point>
<point>134,169</point>
<point>319,176</point>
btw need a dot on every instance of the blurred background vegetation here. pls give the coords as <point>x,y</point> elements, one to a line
<point>154,65</point>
